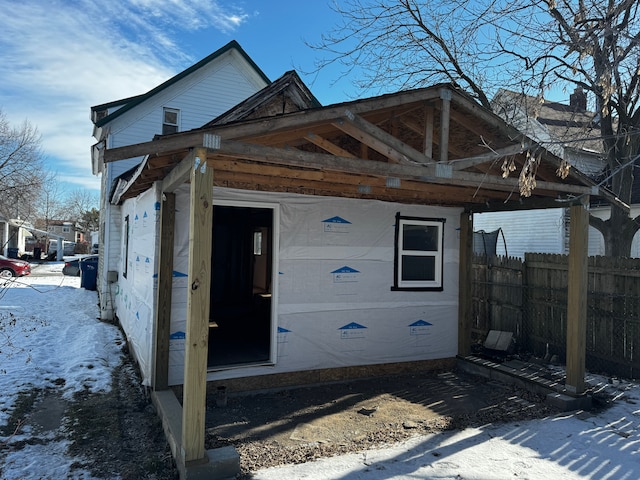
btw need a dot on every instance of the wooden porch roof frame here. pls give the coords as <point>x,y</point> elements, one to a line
<point>392,147</point>
<point>312,152</point>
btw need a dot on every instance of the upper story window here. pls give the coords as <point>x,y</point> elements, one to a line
<point>66,229</point>
<point>419,253</point>
<point>170,120</point>
<point>51,228</point>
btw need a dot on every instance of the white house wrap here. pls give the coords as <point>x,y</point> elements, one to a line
<point>333,299</point>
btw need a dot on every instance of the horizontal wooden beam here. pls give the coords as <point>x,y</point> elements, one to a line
<point>425,173</point>
<point>160,146</point>
<point>464,163</point>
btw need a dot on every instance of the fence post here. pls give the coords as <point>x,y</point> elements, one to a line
<point>577,299</point>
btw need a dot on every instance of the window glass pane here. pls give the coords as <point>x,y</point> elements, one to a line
<point>257,243</point>
<point>420,237</point>
<point>171,116</point>
<point>167,129</point>
<point>418,268</point>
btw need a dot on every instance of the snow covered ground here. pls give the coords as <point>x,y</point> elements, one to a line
<point>50,337</point>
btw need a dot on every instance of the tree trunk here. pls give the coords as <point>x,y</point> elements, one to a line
<point>618,233</point>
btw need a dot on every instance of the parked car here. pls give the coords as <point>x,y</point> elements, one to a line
<point>72,266</point>
<point>11,267</point>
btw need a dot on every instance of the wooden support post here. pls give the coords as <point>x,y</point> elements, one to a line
<point>465,284</point>
<point>428,131</point>
<point>577,299</point>
<point>445,118</point>
<point>198,303</point>
<point>164,290</point>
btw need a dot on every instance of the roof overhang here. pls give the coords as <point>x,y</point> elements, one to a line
<point>427,146</point>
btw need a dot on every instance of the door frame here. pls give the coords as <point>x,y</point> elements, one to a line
<point>275,262</point>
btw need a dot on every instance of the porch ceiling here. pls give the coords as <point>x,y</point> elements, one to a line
<point>428,146</point>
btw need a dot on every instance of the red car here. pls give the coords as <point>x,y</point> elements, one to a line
<point>10,267</point>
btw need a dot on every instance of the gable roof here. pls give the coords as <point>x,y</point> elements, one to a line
<point>131,102</point>
<point>433,146</point>
<point>285,95</point>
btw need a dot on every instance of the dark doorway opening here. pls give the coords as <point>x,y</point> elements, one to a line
<point>241,286</point>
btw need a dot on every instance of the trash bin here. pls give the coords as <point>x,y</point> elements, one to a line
<point>89,273</point>
<point>37,253</point>
<point>12,252</point>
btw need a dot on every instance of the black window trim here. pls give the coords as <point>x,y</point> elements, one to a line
<point>397,258</point>
<point>125,266</point>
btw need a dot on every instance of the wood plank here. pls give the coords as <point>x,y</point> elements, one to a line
<point>577,299</point>
<point>236,171</point>
<point>379,140</point>
<point>465,285</point>
<point>327,145</point>
<point>445,118</point>
<point>417,171</point>
<point>179,174</point>
<point>165,289</point>
<point>463,163</point>
<point>198,306</point>
<point>428,131</point>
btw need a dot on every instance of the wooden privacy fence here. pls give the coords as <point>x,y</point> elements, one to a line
<point>529,298</point>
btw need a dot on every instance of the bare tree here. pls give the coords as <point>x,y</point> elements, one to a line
<point>21,168</point>
<point>80,207</point>
<point>526,46</point>
<point>50,202</point>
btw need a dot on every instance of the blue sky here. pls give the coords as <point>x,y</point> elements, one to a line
<point>58,58</point>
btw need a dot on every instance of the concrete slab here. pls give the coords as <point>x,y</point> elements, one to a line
<point>567,403</point>
<point>223,463</point>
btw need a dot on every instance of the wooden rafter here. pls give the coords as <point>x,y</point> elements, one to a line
<point>327,146</point>
<point>377,139</point>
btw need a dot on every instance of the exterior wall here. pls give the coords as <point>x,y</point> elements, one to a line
<point>201,96</point>
<point>134,292</point>
<point>328,321</point>
<point>109,258</point>
<point>57,230</point>
<point>541,231</point>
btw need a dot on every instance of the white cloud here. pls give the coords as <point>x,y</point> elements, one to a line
<point>60,58</point>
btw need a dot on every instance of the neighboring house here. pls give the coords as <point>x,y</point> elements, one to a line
<point>312,245</point>
<point>187,100</point>
<point>569,131</point>
<point>69,231</point>
<point>14,235</point>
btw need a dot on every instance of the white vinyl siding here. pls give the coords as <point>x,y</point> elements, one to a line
<point>200,98</point>
<point>539,231</point>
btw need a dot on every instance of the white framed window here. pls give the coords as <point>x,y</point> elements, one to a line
<point>170,120</point>
<point>418,253</point>
<point>66,229</point>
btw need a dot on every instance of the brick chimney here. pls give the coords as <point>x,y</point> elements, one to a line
<point>578,100</point>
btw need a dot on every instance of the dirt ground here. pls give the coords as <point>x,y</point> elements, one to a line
<point>300,424</point>
<point>118,434</point>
